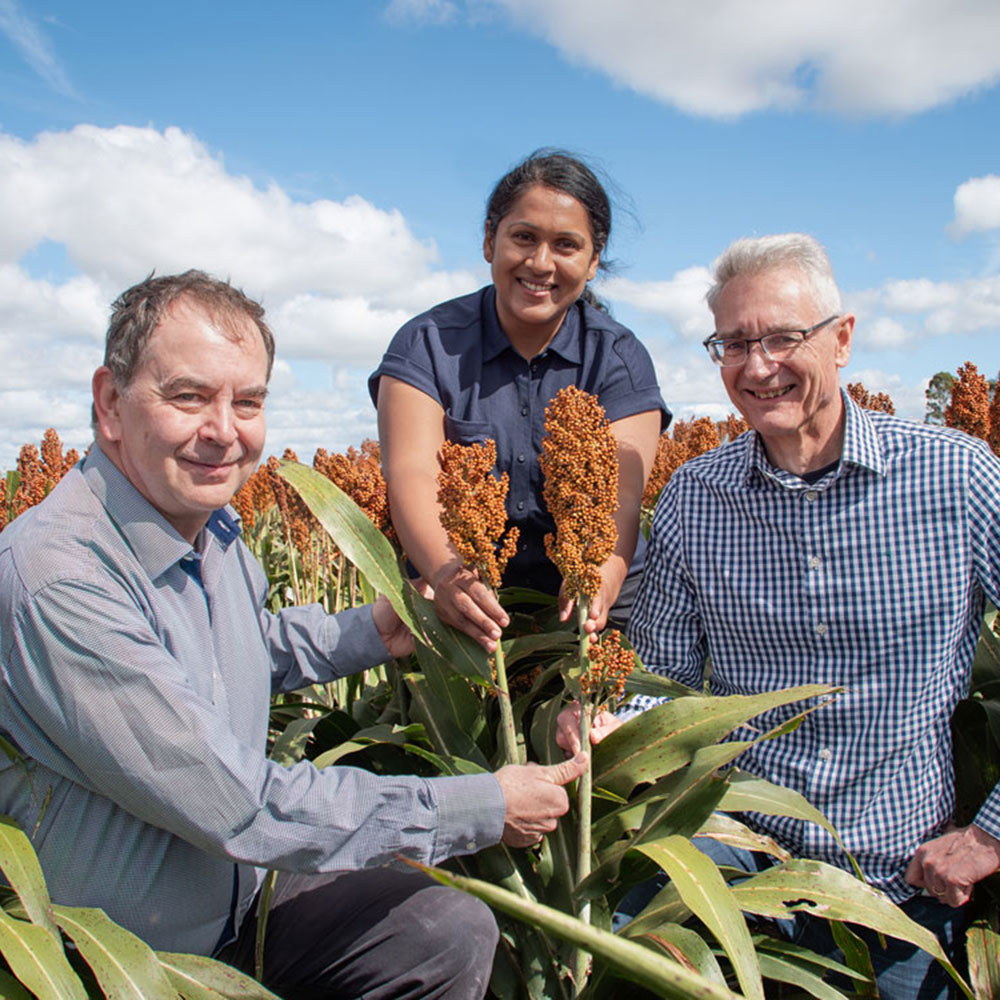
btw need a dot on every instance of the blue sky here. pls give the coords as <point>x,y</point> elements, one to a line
<point>333,158</point>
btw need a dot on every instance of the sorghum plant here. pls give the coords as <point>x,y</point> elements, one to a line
<point>579,460</point>
<point>475,517</point>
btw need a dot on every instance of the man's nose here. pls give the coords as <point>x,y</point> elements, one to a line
<point>219,424</point>
<point>757,359</point>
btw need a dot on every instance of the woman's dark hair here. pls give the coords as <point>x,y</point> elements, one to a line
<point>555,168</point>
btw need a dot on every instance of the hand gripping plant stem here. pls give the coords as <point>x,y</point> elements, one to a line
<point>475,518</point>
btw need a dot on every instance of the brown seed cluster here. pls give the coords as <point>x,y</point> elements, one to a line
<point>359,475</point>
<point>579,461</point>
<point>37,472</point>
<point>880,401</point>
<point>610,665</point>
<point>687,439</point>
<point>969,409</point>
<point>472,508</point>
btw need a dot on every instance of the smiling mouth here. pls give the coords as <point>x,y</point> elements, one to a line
<point>534,286</point>
<point>770,393</point>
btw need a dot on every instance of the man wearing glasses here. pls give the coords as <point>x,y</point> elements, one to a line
<point>834,545</point>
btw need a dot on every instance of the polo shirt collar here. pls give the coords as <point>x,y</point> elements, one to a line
<point>155,542</point>
<point>565,343</point>
<point>862,447</point>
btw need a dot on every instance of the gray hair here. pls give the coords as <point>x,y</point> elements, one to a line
<point>755,255</point>
<point>137,312</point>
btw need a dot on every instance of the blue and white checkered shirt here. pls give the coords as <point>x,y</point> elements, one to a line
<point>872,578</point>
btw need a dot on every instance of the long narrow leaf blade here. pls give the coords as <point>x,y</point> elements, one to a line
<point>834,894</point>
<point>369,550</point>
<point>706,894</point>
<point>199,978</point>
<point>983,947</point>
<point>124,965</point>
<point>38,961</point>
<point>663,976</point>
<point>665,737</point>
<point>24,874</point>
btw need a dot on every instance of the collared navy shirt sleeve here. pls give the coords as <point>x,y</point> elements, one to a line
<point>459,356</point>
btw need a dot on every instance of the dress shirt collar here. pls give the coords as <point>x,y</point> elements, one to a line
<point>564,343</point>
<point>862,448</point>
<point>156,543</point>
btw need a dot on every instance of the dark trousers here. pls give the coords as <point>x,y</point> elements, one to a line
<point>380,934</point>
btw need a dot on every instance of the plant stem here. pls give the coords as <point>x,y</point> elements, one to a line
<point>508,731</point>
<point>263,909</point>
<point>584,788</point>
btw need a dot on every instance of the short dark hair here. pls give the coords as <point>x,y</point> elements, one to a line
<point>137,312</point>
<point>555,168</point>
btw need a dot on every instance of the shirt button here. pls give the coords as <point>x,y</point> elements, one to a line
<point>470,846</point>
<point>826,753</point>
<point>814,562</point>
<point>811,495</point>
<point>821,628</point>
<point>524,411</point>
<point>520,505</point>
<point>520,458</point>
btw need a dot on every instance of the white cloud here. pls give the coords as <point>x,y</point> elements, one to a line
<point>34,46</point>
<point>337,278</point>
<point>421,11</point>
<point>977,206</point>
<point>681,299</point>
<point>884,333</point>
<point>732,57</point>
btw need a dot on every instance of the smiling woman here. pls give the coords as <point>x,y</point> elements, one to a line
<point>486,365</point>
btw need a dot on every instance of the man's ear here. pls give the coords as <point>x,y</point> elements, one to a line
<point>488,245</point>
<point>107,404</point>
<point>845,333</point>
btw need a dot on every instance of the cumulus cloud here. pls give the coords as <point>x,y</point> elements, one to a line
<point>731,57</point>
<point>34,47</point>
<point>337,277</point>
<point>421,11</point>
<point>681,299</point>
<point>977,206</point>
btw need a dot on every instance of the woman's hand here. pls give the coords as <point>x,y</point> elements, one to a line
<point>568,728</point>
<point>462,600</point>
<point>612,577</point>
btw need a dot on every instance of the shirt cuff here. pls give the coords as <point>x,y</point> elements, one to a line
<point>471,812</point>
<point>355,640</point>
<point>988,817</point>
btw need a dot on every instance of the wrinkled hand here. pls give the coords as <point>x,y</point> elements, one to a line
<point>535,798</point>
<point>568,728</point>
<point>461,599</point>
<point>397,637</point>
<point>950,865</point>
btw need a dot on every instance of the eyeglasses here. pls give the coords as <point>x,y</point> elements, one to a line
<point>732,351</point>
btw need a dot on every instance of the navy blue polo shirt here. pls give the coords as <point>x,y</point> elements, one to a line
<point>458,354</point>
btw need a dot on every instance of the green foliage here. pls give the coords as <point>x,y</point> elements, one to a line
<point>106,960</point>
<point>938,395</point>
<point>659,780</point>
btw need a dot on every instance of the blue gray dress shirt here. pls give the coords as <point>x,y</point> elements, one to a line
<point>872,578</point>
<point>137,672</point>
<point>458,355</point>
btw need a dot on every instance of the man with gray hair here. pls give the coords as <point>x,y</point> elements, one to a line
<point>832,545</point>
<point>138,658</point>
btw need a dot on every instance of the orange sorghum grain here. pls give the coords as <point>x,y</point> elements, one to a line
<point>969,409</point>
<point>579,461</point>
<point>610,665</point>
<point>472,508</point>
